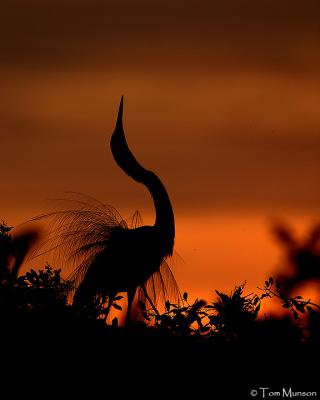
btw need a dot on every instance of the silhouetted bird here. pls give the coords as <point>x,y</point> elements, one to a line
<point>113,257</point>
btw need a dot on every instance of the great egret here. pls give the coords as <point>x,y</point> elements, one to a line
<point>110,257</point>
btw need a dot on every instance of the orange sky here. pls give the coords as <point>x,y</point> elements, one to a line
<point>221,100</point>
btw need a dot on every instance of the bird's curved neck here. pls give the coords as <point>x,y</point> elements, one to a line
<point>164,211</point>
<point>128,163</point>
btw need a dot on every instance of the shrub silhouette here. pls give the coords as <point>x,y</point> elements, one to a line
<point>45,293</point>
<point>303,257</point>
<point>35,292</point>
<point>34,310</point>
<point>227,336</point>
<point>230,317</point>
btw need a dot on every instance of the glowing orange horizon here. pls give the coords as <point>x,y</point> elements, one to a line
<point>220,251</point>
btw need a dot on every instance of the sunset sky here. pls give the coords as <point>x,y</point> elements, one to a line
<point>222,100</point>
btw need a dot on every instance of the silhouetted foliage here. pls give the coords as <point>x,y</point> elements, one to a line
<point>43,291</point>
<point>185,319</point>
<point>227,316</point>
<point>230,317</point>
<point>303,257</point>
<point>233,315</point>
<point>99,307</point>
<point>295,304</point>
<point>227,333</point>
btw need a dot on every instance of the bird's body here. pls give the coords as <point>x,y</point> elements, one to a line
<point>131,256</point>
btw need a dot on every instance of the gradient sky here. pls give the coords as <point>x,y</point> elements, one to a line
<point>222,100</point>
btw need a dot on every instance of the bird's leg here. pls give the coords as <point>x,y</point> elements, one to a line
<point>149,300</point>
<point>131,295</point>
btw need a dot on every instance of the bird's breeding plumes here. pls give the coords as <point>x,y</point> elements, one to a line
<point>78,231</point>
<point>110,256</point>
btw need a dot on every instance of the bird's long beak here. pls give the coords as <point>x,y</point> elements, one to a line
<point>119,126</point>
<point>121,152</point>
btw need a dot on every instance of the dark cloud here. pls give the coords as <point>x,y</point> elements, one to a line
<point>277,35</point>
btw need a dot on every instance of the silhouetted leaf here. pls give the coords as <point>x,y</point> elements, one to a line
<point>117,307</point>
<point>118,298</point>
<point>185,296</point>
<point>115,322</point>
